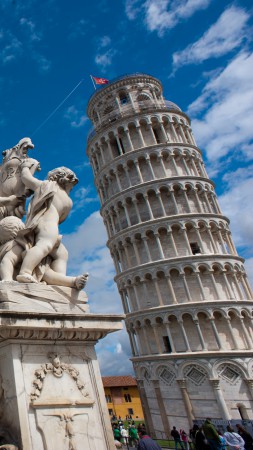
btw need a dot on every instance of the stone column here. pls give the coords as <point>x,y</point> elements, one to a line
<point>171,289</point>
<point>138,128</point>
<point>128,139</point>
<point>187,401</point>
<point>220,399</point>
<point>181,324</point>
<point>216,334</point>
<point>150,167</point>
<point>201,338</point>
<point>162,409</point>
<point>136,162</point>
<point>145,406</point>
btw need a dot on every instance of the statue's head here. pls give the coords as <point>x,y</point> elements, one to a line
<point>9,228</point>
<point>63,175</point>
<point>19,150</point>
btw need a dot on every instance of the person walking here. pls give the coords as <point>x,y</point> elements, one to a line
<point>176,436</point>
<point>133,435</point>
<point>201,443</point>
<point>248,439</point>
<point>124,435</point>
<point>146,443</point>
<point>184,438</point>
<point>234,440</point>
<point>211,435</point>
<point>116,433</point>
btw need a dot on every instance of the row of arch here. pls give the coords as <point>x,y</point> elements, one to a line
<point>213,368</point>
<point>171,240</point>
<point>139,133</point>
<point>147,167</point>
<point>213,329</point>
<point>190,282</point>
<point>163,200</point>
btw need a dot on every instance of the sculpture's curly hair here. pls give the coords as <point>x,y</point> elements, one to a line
<point>9,228</point>
<point>61,175</point>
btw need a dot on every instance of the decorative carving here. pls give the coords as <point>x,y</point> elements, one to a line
<point>166,375</point>
<point>57,368</point>
<point>195,374</point>
<point>229,373</point>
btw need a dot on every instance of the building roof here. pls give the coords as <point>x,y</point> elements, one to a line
<point>125,380</point>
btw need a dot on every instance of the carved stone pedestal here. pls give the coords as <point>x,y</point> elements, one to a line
<point>51,393</point>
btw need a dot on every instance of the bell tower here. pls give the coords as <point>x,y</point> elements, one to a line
<point>183,286</point>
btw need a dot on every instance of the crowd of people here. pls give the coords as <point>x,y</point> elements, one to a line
<point>207,437</point>
<point>132,436</point>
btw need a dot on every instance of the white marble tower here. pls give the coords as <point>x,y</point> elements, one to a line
<point>183,286</point>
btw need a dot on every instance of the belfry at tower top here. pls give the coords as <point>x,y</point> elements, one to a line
<point>133,90</point>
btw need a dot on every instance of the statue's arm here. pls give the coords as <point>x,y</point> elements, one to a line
<point>12,200</point>
<point>29,180</point>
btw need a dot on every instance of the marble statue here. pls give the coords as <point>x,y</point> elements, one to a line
<point>32,251</point>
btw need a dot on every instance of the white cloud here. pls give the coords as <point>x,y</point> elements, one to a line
<point>161,15</point>
<point>88,253</point>
<point>30,28</point>
<point>11,47</point>
<point>223,36</point>
<point>236,202</point>
<point>105,41</point>
<point>223,111</point>
<point>76,118</point>
<point>104,59</point>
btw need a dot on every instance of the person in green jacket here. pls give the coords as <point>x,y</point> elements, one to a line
<point>116,433</point>
<point>211,435</point>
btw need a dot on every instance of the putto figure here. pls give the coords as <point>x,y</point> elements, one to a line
<point>34,249</point>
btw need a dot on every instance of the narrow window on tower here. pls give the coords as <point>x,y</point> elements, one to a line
<point>156,136</point>
<point>122,145</point>
<point>167,345</point>
<point>195,248</point>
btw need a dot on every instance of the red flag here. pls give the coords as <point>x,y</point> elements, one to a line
<point>100,80</point>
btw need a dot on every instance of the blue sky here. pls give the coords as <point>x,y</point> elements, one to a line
<point>201,50</point>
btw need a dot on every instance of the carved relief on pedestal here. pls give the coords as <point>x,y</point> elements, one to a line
<point>63,406</point>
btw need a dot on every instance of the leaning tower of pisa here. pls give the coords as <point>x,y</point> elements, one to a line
<point>184,289</point>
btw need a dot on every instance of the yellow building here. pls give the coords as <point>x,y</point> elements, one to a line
<point>122,397</point>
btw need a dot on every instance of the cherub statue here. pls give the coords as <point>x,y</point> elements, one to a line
<point>49,207</point>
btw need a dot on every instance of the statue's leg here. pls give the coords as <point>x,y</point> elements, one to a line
<point>60,259</point>
<point>9,262</point>
<point>46,240</point>
<point>55,278</point>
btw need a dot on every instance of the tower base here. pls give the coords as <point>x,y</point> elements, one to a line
<point>51,392</point>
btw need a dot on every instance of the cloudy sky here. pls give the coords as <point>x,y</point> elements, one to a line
<point>201,50</point>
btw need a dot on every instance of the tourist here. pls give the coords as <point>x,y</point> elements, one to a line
<point>124,435</point>
<point>116,433</point>
<point>201,442</point>
<point>184,438</point>
<point>234,440</point>
<point>176,436</point>
<point>223,442</point>
<point>211,435</point>
<point>146,443</point>
<point>192,432</point>
<point>248,440</point>
<point>133,435</point>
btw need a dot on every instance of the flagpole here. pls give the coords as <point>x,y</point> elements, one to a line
<point>93,82</point>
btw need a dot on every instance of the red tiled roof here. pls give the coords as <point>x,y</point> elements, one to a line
<point>125,380</point>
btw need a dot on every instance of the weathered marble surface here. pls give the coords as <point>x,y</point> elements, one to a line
<point>51,393</point>
<point>42,298</point>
